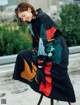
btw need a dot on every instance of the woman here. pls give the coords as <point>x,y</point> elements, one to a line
<point>44,67</point>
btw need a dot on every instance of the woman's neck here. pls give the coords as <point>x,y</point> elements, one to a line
<point>34,17</point>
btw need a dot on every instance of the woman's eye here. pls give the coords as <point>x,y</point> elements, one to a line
<point>23,15</point>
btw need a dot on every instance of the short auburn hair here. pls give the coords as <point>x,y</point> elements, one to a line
<point>24,7</point>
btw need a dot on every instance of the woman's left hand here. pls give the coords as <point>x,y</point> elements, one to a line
<point>40,66</point>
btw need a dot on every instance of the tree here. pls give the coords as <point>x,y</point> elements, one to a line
<point>70,23</point>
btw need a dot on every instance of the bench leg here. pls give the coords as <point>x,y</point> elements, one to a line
<point>40,100</point>
<point>52,102</point>
<point>69,103</point>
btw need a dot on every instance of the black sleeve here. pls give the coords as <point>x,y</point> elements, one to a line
<point>34,42</point>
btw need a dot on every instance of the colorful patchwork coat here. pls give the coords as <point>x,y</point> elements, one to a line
<point>51,52</point>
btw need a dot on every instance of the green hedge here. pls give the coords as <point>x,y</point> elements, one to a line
<point>70,23</point>
<point>13,39</point>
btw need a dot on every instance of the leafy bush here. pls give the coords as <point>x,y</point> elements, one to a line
<point>13,39</point>
<point>70,23</point>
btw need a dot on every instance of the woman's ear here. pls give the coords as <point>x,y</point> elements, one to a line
<point>29,9</point>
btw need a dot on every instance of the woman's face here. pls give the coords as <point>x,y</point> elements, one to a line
<point>26,15</point>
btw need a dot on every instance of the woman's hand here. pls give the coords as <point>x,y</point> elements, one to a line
<point>40,66</point>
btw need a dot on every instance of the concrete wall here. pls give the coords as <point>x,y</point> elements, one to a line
<point>12,2</point>
<point>15,2</point>
<point>54,2</point>
<point>44,4</point>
